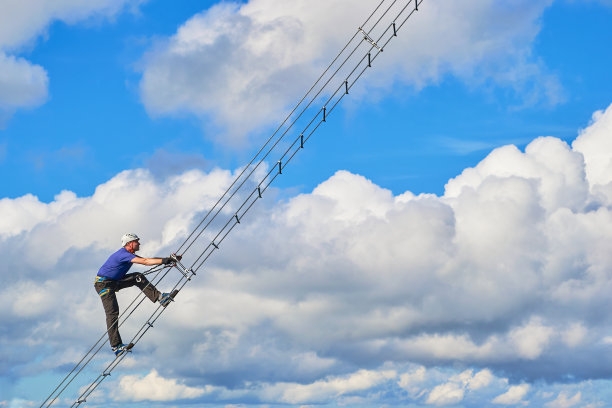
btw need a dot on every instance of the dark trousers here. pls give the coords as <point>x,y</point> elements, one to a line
<point>109,300</point>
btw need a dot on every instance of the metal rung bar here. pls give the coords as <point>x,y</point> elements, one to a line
<point>237,219</point>
<point>394,30</point>
<point>259,191</point>
<point>215,245</point>
<point>370,60</point>
<point>370,40</point>
<point>324,113</point>
<point>150,324</point>
<point>346,88</point>
<point>416,5</point>
<point>280,167</point>
<point>182,268</point>
<point>186,273</point>
<point>302,141</point>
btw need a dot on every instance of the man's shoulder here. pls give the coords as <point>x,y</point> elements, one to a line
<point>123,255</point>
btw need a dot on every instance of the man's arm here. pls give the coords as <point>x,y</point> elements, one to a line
<point>148,261</point>
<point>154,261</point>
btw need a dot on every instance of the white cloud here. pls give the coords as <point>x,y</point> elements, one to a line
<point>455,389</point>
<point>482,379</point>
<point>595,144</point>
<point>30,299</point>
<point>446,394</point>
<point>564,401</point>
<point>23,21</point>
<point>559,171</point>
<point>326,389</point>
<point>154,387</point>
<point>513,396</point>
<point>265,52</point>
<point>412,381</point>
<point>118,205</point>
<point>506,271</point>
<point>24,213</point>
<point>22,84</point>
<point>361,380</point>
<point>574,335</point>
<point>531,339</point>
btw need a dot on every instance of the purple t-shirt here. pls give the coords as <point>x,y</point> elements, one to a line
<point>117,265</point>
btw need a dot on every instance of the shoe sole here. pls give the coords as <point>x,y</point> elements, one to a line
<point>127,349</point>
<point>171,297</point>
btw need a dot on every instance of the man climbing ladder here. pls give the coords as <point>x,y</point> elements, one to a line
<point>113,276</point>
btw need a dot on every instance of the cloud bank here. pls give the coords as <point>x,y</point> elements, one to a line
<point>266,52</point>
<point>334,295</point>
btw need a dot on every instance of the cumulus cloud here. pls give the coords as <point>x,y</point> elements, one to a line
<point>482,379</point>
<point>593,143</point>
<point>24,84</point>
<point>413,381</point>
<point>531,339</point>
<point>564,401</point>
<point>331,294</point>
<point>265,52</point>
<point>326,389</point>
<point>455,389</point>
<point>446,394</point>
<point>153,387</point>
<point>513,396</point>
<point>24,21</point>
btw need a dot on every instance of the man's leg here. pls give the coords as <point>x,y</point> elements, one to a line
<point>111,309</point>
<point>138,279</point>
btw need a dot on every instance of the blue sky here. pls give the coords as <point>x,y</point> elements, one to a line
<point>441,129</point>
<point>443,239</point>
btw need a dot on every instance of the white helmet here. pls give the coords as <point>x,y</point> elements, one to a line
<point>127,238</point>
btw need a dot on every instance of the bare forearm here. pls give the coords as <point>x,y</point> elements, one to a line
<point>156,261</point>
<point>153,261</point>
<point>148,261</point>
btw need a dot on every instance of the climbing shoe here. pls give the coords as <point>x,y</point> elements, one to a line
<point>121,348</point>
<point>166,298</point>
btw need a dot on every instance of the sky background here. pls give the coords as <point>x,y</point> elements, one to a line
<point>443,239</point>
